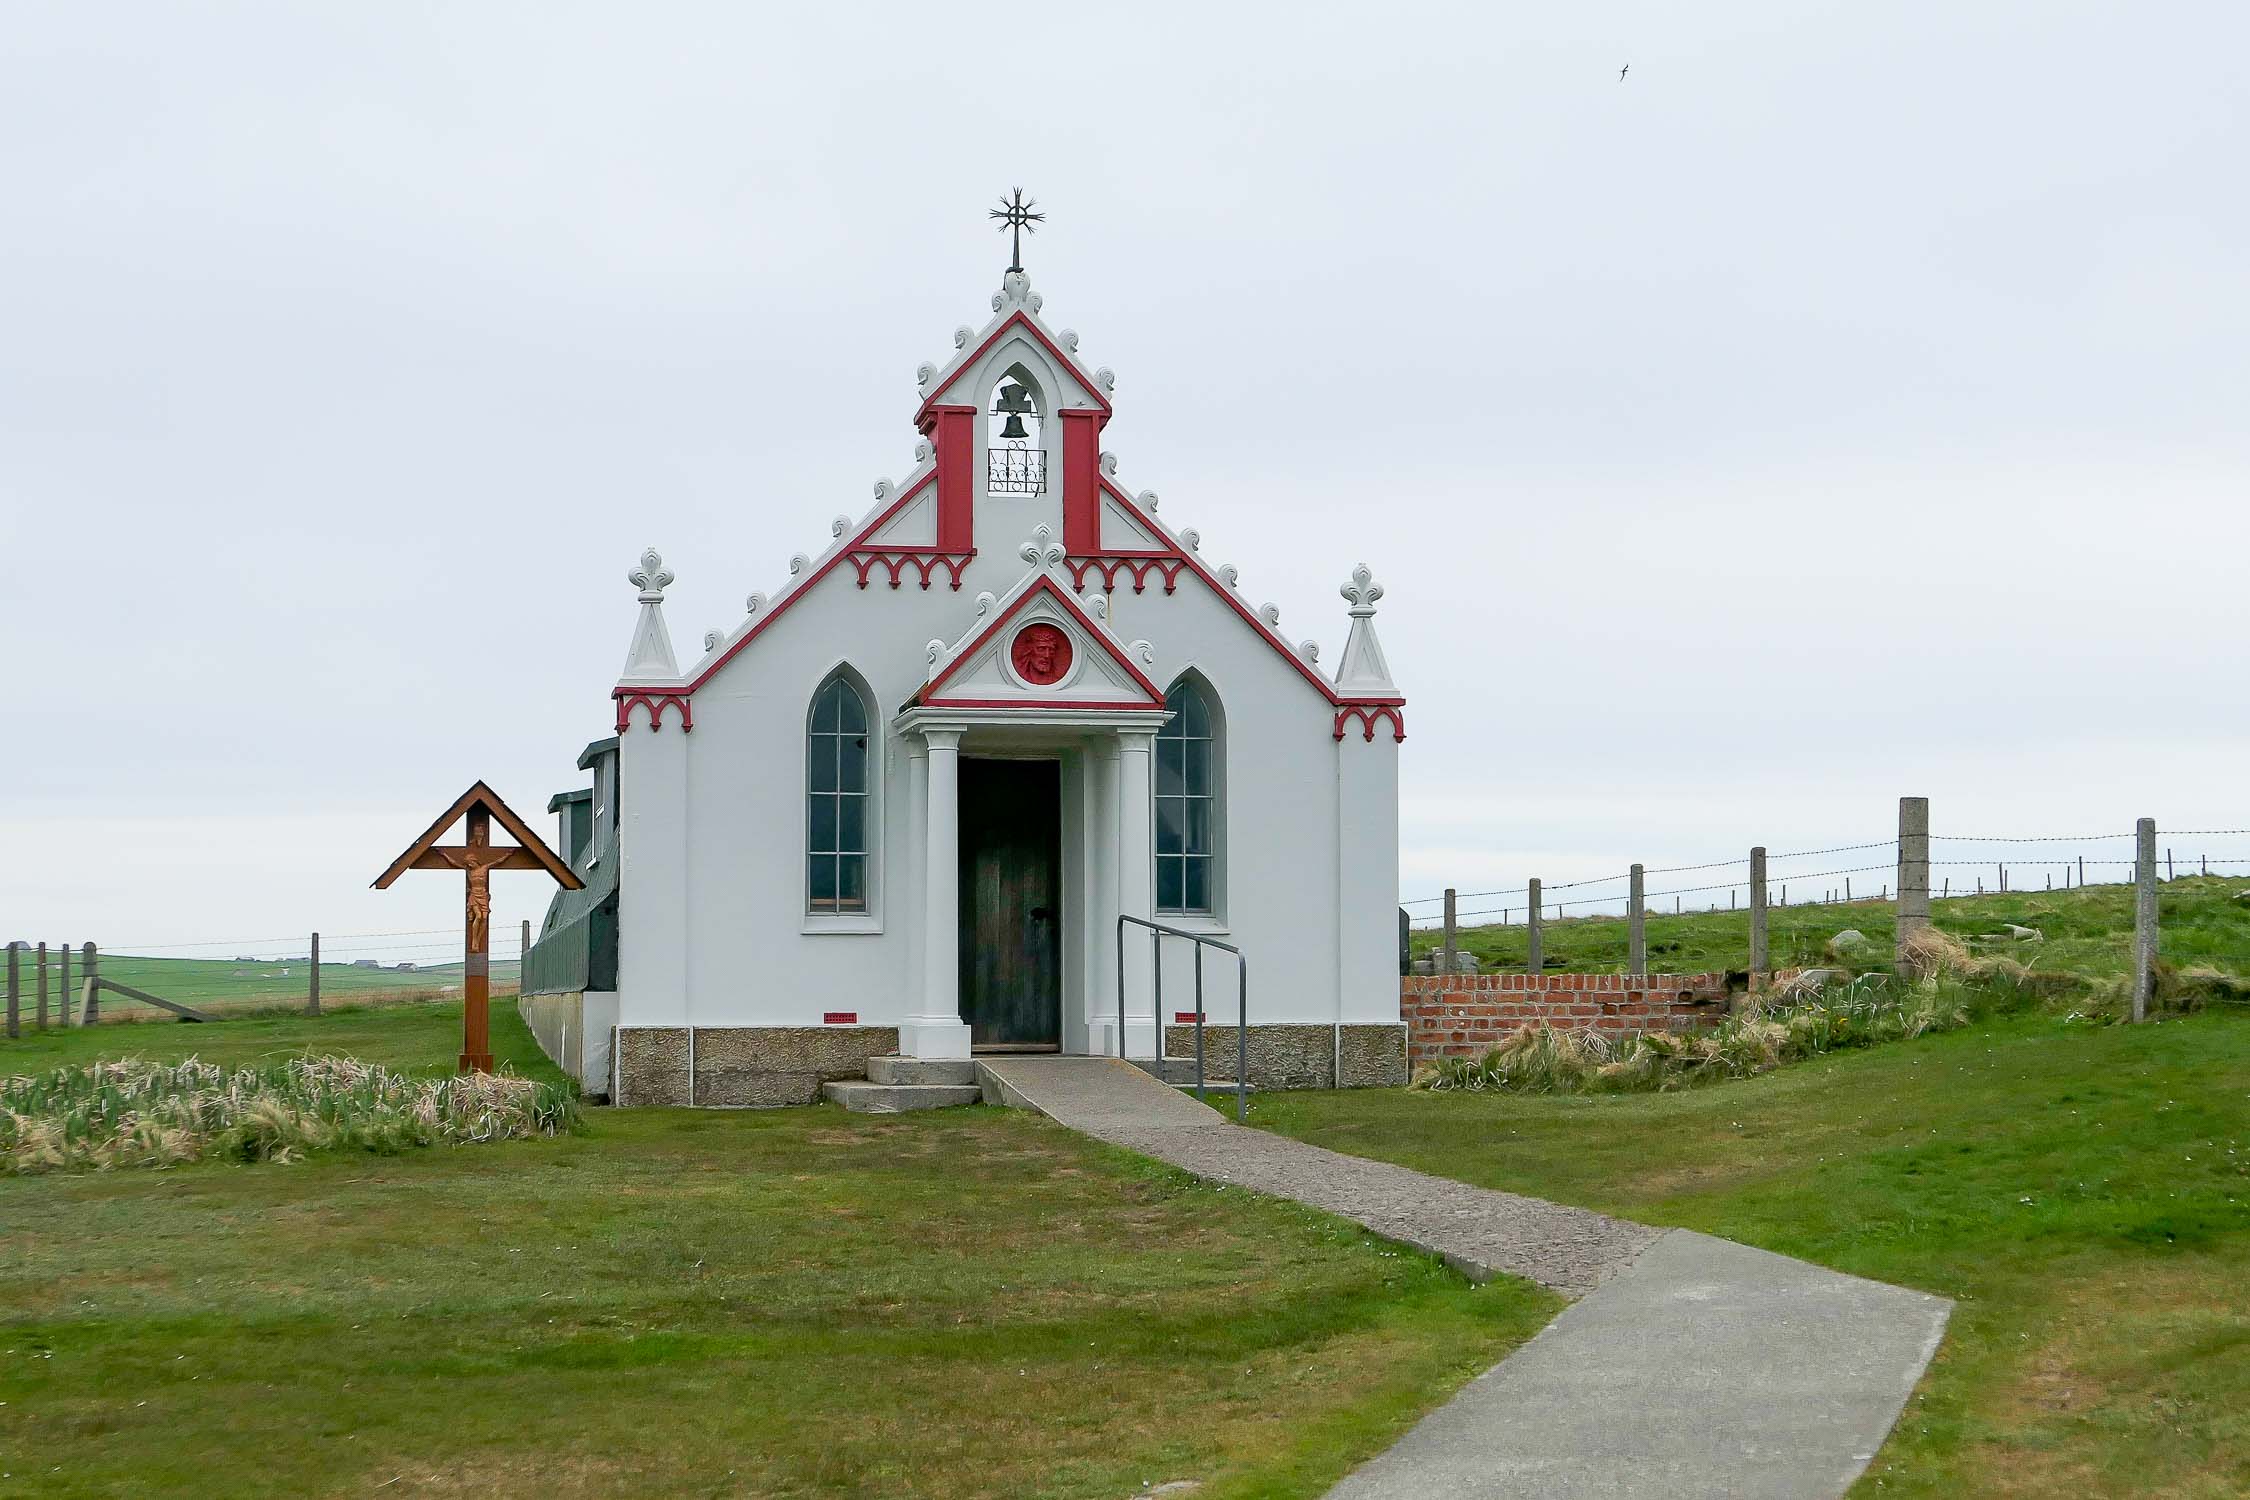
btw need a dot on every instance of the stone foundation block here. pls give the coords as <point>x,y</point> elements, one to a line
<point>1301,1056</point>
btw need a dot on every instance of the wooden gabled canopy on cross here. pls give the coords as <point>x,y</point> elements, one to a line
<point>478,858</point>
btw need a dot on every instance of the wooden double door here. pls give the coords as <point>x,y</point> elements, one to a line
<point>1011,903</point>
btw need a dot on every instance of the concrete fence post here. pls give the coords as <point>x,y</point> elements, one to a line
<point>1760,961</point>
<point>86,981</point>
<point>2144,916</point>
<point>312,983</point>
<point>1636,926</point>
<point>41,960</point>
<point>1534,920</point>
<point>1447,965</point>
<point>69,1015</point>
<point>1913,873</point>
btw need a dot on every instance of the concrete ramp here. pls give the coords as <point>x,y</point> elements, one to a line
<point>1693,1366</point>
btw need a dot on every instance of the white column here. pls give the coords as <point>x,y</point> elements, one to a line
<point>1136,882</point>
<point>903,896</point>
<point>936,1029</point>
<point>1101,946</point>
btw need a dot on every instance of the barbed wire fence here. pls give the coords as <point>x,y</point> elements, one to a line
<point>53,983</point>
<point>1909,878</point>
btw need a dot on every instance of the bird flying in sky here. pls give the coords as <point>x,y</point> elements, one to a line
<point>1621,72</point>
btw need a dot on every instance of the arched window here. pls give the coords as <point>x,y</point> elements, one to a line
<point>1187,804</point>
<point>836,798</point>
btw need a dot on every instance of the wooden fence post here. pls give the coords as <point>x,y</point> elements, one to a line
<point>1760,961</point>
<point>42,961</point>
<point>312,984</point>
<point>15,993</point>
<point>93,992</point>
<point>1534,921</point>
<point>1636,925</point>
<point>1446,961</point>
<point>2144,916</point>
<point>68,1014</point>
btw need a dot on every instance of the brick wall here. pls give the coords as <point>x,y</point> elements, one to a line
<point>1466,1015</point>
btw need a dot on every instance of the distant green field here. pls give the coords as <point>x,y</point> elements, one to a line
<point>2088,930</point>
<point>234,984</point>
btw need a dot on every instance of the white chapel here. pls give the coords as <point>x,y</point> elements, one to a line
<point>901,806</point>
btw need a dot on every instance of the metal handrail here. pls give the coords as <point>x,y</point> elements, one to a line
<point>1157,932</point>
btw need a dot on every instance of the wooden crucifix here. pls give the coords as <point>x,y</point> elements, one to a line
<point>478,858</point>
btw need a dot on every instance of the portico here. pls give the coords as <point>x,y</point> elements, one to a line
<point>1101,778</point>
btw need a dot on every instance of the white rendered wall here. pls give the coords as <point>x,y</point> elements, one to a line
<point>713,924</point>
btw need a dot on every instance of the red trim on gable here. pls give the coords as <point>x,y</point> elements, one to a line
<point>950,429</point>
<point>889,513</point>
<point>1082,480</point>
<point>1249,617</point>
<point>1045,585</point>
<point>1099,705</point>
<point>1067,361</point>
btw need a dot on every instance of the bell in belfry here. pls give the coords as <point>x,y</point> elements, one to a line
<point>1015,402</point>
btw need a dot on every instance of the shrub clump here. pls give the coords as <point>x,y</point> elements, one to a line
<point>135,1113</point>
<point>1544,1060</point>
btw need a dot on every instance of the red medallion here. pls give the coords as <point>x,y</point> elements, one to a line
<point>1041,654</point>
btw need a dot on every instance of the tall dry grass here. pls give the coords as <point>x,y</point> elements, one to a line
<point>1545,1060</point>
<point>135,1113</point>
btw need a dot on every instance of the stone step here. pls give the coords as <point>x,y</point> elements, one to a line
<point>895,1069</point>
<point>897,1098</point>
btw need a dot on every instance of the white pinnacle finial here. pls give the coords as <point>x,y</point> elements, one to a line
<point>1042,549</point>
<point>1362,592</point>
<point>1362,671</point>
<point>649,658</point>
<point>651,577</point>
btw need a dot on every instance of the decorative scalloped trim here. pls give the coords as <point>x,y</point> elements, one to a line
<point>1367,714</point>
<point>1140,565</point>
<point>654,702</point>
<point>895,561</point>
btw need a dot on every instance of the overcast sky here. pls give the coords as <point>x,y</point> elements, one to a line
<point>1849,402</point>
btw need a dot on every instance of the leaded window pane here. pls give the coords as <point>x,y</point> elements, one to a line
<point>1186,798</point>
<point>1171,779</point>
<point>1168,883</point>
<point>836,795</point>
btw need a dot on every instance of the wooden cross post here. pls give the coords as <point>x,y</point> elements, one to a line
<point>477,859</point>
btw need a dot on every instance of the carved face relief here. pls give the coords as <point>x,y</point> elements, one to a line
<point>1041,655</point>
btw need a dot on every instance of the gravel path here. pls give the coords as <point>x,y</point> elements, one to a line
<point>1691,1367</point>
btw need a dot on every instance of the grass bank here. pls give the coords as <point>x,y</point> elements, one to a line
<point>2082,1191</point>
<point>2088,930</point>
<point>788,1302</point>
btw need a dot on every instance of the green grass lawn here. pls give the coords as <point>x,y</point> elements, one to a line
<point>230,984</point>
<point>2084,1192</point>
<point>2088,930</point>
<point>963,1303</point>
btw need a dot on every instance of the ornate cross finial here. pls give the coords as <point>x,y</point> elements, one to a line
<point>651,577</point>
<point>1015,215</point>
<point>1362,592</point>
<point>1042,548</point>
